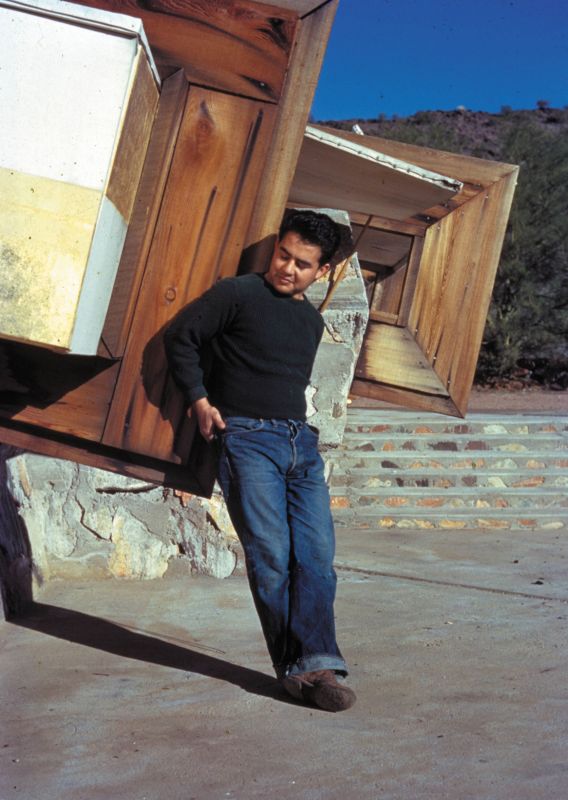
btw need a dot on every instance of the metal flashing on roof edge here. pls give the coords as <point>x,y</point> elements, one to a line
<point>380,158</point>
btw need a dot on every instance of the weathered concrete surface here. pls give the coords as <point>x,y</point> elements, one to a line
<point>133,690</point>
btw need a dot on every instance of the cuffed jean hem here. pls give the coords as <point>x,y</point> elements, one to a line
<point>313,663</point>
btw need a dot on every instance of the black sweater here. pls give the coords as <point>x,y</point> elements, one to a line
<point>263,345</point>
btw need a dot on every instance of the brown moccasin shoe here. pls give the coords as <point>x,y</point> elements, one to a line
<point>321,688</point>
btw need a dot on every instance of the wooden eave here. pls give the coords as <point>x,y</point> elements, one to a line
<point>340,173</point>
<point>427,359</point>
<point>216,44</point>
<point>301,7</point>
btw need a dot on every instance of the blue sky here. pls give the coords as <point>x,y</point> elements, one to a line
<point>403,56</point>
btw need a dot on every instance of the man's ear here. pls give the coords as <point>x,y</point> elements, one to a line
<point>323,270</point>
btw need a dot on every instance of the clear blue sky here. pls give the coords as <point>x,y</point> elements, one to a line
<point>403,56</point>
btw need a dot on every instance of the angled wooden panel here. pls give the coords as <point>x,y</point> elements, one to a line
<point>144,215</point>
<point>310,41</point>
<point>475,172</point>
<point>69,396</point>
<point>390,355</point>
<point>235,45</point>
<point>453,292</point>
<point>447,311</point>
<point>334,172</point>
<point>199,235</point>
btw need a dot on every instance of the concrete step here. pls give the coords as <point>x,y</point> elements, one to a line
<point>347,461</point>
<point>504,520</point>
<point>453,443</point>
<point>398,469</point>
<point>364,479</point>
<point>374,421</point>
<point>405,499</point>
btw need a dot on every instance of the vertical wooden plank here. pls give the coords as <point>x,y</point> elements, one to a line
<point>312,33</point>
<point>492,229</point>
<point>145,213</point>
<point>387,294</point>
<point>199,235</point>
<point>453,292</point>
<point>450,261</point>
<point>411,279</point>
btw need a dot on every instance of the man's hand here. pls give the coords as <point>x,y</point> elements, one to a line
<point>209,418</point>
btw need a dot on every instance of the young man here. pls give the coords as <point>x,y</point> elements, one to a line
<point>264,335</point>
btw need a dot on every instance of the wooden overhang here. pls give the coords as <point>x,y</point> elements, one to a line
<point>352,176</point>
<point>238,79</point>
<point>435,227</point>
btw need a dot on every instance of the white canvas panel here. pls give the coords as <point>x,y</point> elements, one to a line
<point>62,92</point>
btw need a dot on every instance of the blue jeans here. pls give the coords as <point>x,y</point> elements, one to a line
<point>271,475</point>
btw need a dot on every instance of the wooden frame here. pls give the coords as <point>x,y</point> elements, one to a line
<point>238,81</point>
<point>424,355</point>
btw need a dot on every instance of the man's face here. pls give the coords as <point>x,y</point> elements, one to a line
<point>294,265</point>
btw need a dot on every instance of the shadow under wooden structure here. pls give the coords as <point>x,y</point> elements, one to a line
<point>226,148</point>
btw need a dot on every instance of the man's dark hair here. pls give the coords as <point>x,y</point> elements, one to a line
<point>314,228</point>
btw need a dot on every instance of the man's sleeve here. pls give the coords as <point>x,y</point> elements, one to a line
<point>193,328</point>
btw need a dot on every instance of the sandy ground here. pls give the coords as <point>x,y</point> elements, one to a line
<point>162,690</point>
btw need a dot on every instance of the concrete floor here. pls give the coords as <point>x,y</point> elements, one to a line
<point>162,690</point>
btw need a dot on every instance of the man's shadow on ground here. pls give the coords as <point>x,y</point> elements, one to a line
<point>101,634</point>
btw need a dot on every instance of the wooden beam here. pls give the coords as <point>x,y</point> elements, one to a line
<point>237,46</point>
<point>308,50</point>
<point>421,401</point>
<point>145,214</point>
<point>92,454</point>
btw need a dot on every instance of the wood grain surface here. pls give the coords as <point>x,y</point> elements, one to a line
<point>307,55</point>
<point>144,215</point>
<point>234,45</point>
<point>218,158</point>
<point>453,291</point>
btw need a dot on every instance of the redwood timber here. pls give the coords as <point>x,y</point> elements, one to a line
<point>236,46</point>
<point>447,289</point>
<point>145,213</point>
<point>311,35</point>
<point>198,238</point>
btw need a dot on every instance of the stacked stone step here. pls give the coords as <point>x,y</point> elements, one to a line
<point>423,471</point>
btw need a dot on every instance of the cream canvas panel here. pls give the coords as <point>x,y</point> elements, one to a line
<point>67,87</point>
